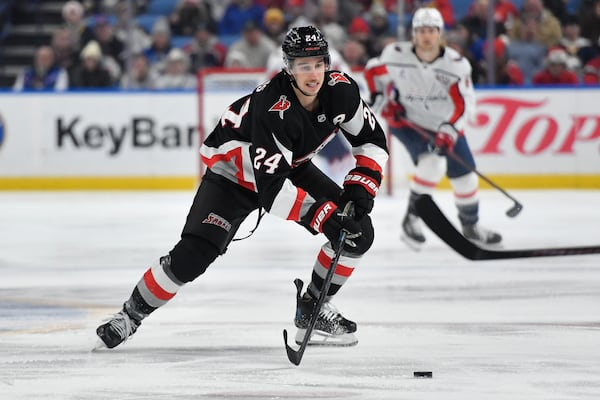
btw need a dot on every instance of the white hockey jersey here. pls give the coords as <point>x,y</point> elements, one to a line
<point>431,93</point>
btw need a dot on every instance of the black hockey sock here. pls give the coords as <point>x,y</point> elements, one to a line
<point>468,214</point>
<point>136,307</point>
<point>412,198</point>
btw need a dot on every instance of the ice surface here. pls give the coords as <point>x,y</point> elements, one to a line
<point>511,329</point>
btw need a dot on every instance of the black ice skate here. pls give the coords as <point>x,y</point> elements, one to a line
<point>331,329</point>
<point>117,330</point>
<point>412,233</point>
<point>482,236</point>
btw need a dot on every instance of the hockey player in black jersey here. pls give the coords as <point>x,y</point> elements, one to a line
<point>259,157</point>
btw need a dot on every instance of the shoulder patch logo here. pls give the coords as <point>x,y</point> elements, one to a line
<point>282,104</point>
<point>336,77</point>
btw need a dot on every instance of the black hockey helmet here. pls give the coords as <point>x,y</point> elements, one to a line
<point>304,41</point>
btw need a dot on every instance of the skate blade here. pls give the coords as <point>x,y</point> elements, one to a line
<point>320,338</point>
<point>411,243</point>
<point>99,346</point>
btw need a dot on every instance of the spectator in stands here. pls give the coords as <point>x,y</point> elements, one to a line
<point>254,46</point>
<point>138,39</point>
<point>73,13</point>
<point>379,23</point>
<point>410,6</point>
<point>44,74</point>
<point>176,75</point>
<point>526,50</point>
<point>355,54</point>
<point>591,70</point>
<point>142,77</point>
<point>590,21</point>
<point>188,15</point>
<point>274,25</point>
<point>205,50</point>
<point>505,12</point>
<point>161,45</point>
<point>547,32</point>
<point>91,73</point>
<point>237,14</point>
<point>476,22</point>
<point>64,54</point>
<point>573,42</point>
<point>458,38</point>
<point>328,23</point>
<point>294,12</point>
<point>359,30</point>
<point>506,71</point>
<point>555,70</point>
<point>236,59</point>
<point>558,8</point>
<point>110,45</point>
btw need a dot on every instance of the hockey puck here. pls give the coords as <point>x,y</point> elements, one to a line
<point>423,374</point>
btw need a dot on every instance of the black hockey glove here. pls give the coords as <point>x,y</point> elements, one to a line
<point>360,187</point>
<point>324,216</point>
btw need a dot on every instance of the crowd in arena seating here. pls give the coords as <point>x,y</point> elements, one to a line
<point>537,42</point>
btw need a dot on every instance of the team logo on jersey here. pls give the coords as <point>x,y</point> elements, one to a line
<point>217,220</point>
<point>321,118</point>
<point>337,77</point>
<point>282,104</point>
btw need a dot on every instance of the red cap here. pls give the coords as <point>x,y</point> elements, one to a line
<point>358,25</point>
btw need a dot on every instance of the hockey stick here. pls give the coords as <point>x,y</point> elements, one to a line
<point>511,212</point>
<point>439,224</point>
<point>295,356</point>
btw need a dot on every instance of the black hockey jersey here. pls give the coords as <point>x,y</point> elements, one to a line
<point>261,137</point>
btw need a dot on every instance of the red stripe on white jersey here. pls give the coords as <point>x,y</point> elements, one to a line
<point>155,288</point>
<point>371,73</point>
<point>297,207</point>
<point>364,161</point>
<point>459,104</point>
<point>340,269</point>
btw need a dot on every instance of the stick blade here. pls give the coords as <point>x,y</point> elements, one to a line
<point>514,210</point>
<point>294,356</point>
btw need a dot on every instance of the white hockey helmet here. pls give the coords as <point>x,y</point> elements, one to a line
<point>427,16</point>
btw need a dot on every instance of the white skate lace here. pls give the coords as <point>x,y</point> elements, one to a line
<point>123,329</point>
<point>329,312</point>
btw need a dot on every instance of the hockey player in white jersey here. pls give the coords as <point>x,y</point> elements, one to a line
<point>422,88</point>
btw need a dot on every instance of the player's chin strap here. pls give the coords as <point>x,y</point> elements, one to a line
<point>261,213</point>
<point>294,84</point>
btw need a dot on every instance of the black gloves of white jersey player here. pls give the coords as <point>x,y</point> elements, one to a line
<point>446,136</point>
<point>324,216</point>
<point>360,187</point>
